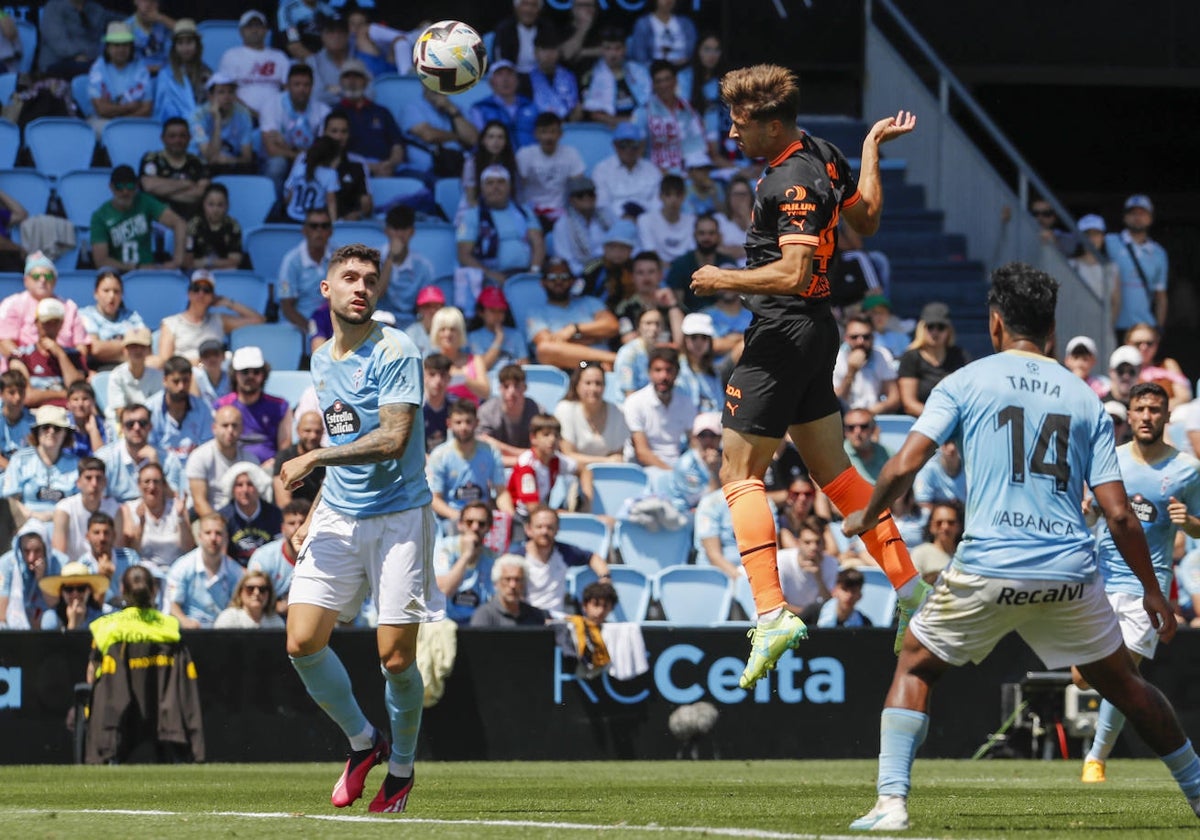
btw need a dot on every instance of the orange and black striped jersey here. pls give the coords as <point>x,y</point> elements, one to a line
<point>798,199</point>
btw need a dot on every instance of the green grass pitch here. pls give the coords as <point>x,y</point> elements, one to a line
<point>767,799</point>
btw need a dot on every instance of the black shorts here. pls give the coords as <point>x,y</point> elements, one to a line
<point>785,376</point>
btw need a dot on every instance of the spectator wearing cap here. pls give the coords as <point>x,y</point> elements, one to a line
<point>290,122</point>
<point>1096,267</point>
<point>667,230</point>
<point>610,278</point>
<point>494,340</point>
<point>618,87</point>
<point>266,419</point>
<point>180,85</point>
<point>1080,359</point>
<point>132,381</point>
<point>328,61</point>
<point>223,128</point>
<point>119,84</point>
<point>669,121</point>
<point>930,358</point>
<point>429,300</point>
<point>499,236</point>
<point>299,21</point>
<point>504,105</point>
<point>626,183</point>
<point>706,234</point>
<point>179,420</point>
<point>569,330</point>
<point>890,333</point>
<point>258,70</point>
<point>697,472</point>
<point>122,228</point>
<point>44,472</point>
<point>405,271</point>
<point>374,134</point>
<point>1124,365</point>
<point>151,34</point>
<point>1143,267</point>
<point>553,88</point>
<point>515,37</point>
<point>303,268</point>
<point>18,312</point>
<point>1119,415</point>
<point>47,365</point>
<point>580,231</point>
<point>544,169</point>
<point>864,376</point>
<point>173,174</point>
<point>210,377</point>
<point>184,333</point>
<point>124,458</point>
<point>698,377</point>
<point>71,35</point>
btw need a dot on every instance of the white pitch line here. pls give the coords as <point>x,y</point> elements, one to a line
<point>759,834</point>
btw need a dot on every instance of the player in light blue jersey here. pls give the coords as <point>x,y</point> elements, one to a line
<point>1031,435</point>
<point>1163,485</point>
<point>371,527</point>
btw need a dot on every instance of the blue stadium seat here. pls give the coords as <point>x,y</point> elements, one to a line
<point>652,550</point>
<point>11,282</point>
<point>78,286</point>
<point>60,144</point>
<point>387,192</point>
<point>397,93</point>
<point>879,598</point>
<point>545,385</point>
<point>82,192</point>
<point>289,384</point>
<point>694,596</point>
<point>79,92</point>
<point>447,193</point>
<point>436,243</point>
<point>127,139</point>
<point>744,596</point>
<point>282,344</point>
<point>612,389</point>
<point>633,590</point>
<point>155,294</point>
<point>68,260</point>
<point>593,141</point>
<point>586,531</point>
<point>10,143</point>
<point>246,287</point>
<point>614,483</point>
<point>267,245</point>
<point>8,86</point>
<point>218,36</point>
<point>347,233</point>
<point>893,429</point>
<point>251,198</point>
<point>31,189</point>
<point>525,294</point>
<point>99,383</point>
<point>463,101</point>
<point>28,34</point>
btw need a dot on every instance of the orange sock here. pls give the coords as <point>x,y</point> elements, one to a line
<point>754,527</point>
<point>851,492</point>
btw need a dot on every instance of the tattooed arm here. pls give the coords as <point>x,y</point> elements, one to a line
<point>383,444</point>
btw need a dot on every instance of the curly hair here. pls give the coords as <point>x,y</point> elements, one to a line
<point>1025,298</point>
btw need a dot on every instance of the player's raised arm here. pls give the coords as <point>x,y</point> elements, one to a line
<point>863,215</point>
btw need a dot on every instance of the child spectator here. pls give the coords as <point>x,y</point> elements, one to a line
<point>91,432</point>
<point>504,419</point>
<point>133,381</point>
<point>464,469</point>
<point>48,366</point>
<point>214,238</point>
<point>839,611</point>
<point>538,468</point>
<point>18,420</point>
<point>436,408</point>
<point>696,473</point>
<point>313,182</point>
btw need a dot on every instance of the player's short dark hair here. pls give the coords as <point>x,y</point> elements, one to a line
<point>400,217</point>
<point>463,406</point>
<point>662,354</point>
<point>672,183</point>
<point>297,506</point>
<point>437,363</point>
<point>81,387</point>
<point>546,118</point>
<point>299,69</point>
<point>100,518</point>
<point>1025,298</point>
<point>13,379</point>
<point>91,463</point>
<point>177,364</point>
<point>354,251</point>
<point>1148,389</point>
<point>599,591</point>
<point>544,423</point>
<point>762,92</point>
<point>511,373</point>
<point>170,121</point>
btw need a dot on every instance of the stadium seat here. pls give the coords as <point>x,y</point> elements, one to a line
<point>387,192</point>
<point>525,294</point>
<point>282,344</point>
<point>267,245</point>
<point>127,139</point>
<point>653,550</point>
<point>614,483</point>
<point>446,284</point>
<point>879,598</point>
<point>593,141</point>
<point>28,34</point>
<point>10,144</point>
<point>68,260</point>
<point>246,287</point>
<point>31,189</point>
<point>11,282</point>
<point>366,233</point>
<point>289,384</point>
<point>633,590</point>
<point>437,243</point>
<point>447,193</point>
<point>893,429</point>
<point>612,389</point>
<point>82,192</point>
<point>79,92</point>
<point>99,383</point>
<point>218,36</point>
<point>156,294</point>
<point>8,86</point>
<point>695,596</point>
<point>545,385</point>
<point>251,198</point>
<point>397,93</point>
<point>78,286</point>
<point>586,531</point>
<point>60,145</point>
<point>744,596</point>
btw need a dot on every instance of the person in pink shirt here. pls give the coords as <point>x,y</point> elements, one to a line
<point>18,313</point>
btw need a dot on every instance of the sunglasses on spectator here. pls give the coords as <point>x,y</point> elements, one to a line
<point>937,327</point>
<point>48,276</point>
<point>51,428</point>
<point>854,427</point>
<point>626,144</point>
<point>319,225</point>
<point>255,371</point>
<point>483,523</point>
<point>584,194</point>
<point>1045,214</point>
<point>256,587</point>
<point>136,424</point>
<point>558,277</point>
<point>125,186</point>
<point>200,287</point>
<point>73,588</point>
<point>1145,342</point>
<point>1126,370</point>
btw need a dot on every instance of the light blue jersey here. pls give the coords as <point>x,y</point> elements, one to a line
<point>713,519</point>
<point>1032,434</point>
<point>385,369</point>
<point>269,560</point>
<point>461,480</point>
<point>1149,487</point>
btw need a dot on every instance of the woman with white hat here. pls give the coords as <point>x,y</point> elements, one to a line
<point>42,474</point>
<point>80,597</point>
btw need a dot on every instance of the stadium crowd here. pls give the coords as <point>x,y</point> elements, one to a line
<point>559,331</point>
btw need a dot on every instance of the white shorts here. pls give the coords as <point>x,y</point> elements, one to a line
<point>1140,635</point>
<point>390,556</point>
<point>1065,623</point>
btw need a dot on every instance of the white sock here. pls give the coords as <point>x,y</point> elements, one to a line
<point>770,615</point>
<point>364,739</point>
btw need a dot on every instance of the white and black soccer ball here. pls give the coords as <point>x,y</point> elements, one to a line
<point>449,57</point>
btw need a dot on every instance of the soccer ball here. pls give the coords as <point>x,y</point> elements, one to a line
<point>449,57</point>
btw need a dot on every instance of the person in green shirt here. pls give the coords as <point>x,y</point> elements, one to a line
<point>122,230</point>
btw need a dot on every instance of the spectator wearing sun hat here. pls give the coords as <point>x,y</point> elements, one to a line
<point>1143,265</point>
<point>18,312</point>
<point>494,342</point>
<point>49,367</point>
<point>79,597</point>
<point>119,84</point>
<point>41,475</point>
<point>1098,270</point>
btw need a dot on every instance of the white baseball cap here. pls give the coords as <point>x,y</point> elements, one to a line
<point>248,358</point>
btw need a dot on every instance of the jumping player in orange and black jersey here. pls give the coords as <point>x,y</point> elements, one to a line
<point>784,378</point>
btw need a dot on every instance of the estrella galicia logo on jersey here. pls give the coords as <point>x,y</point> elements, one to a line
<point>341,419</point>
<point>1143,508</point>
<point>795,193</point>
